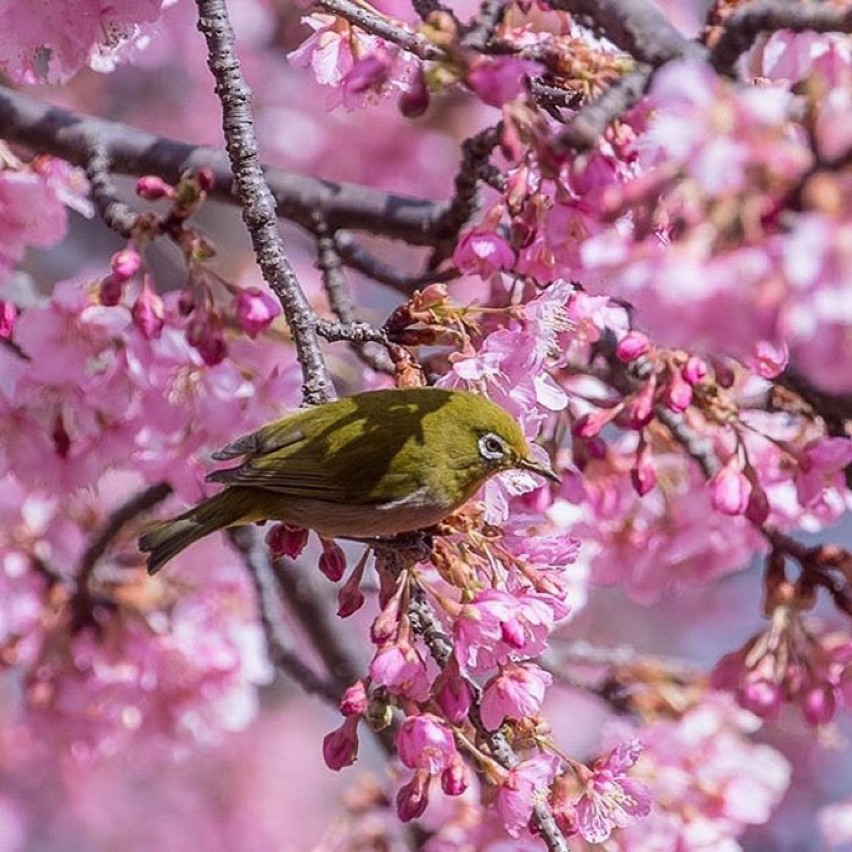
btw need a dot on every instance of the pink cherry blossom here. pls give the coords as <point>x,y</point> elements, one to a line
<point>612,799</point>
<point>528,781</point>
<point>425,742</point>
<point>517,691</point>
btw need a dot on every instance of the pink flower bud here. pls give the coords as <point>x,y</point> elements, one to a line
<point>350,598</point>
<point>695,370</point>
<point>415,101</point>
<point>642,475</point>
<point>724,374</point>
<point>284,540</point>
<point>8,315</point>
<point>455,778</point>
<point>255,310</point>
<point>770,360</point>
<point>589,425</point>
<point>640,409</point>
<point>332,561</point>
<point>677,394</point>
<point>152,187</point>
<point>147,313</point>
<point>412,798</point>
<point>819,705</point>
<point>386,624</point>
<point>186,303</point>
<point>757,510</point>
<point>354,701</point>
<point>340,747</point>
<point>125,264</point>
<point>213,349</point>
<point>761,697</point>
<point>206,180</point>
<point>110,292</point>
<point>633,345</point>
<point>730,489</point>
<point>453,694</point>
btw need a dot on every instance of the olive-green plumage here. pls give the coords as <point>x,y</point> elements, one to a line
<point>370,465</point>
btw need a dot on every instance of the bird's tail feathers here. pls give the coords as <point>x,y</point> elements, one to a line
<point>168,538</point>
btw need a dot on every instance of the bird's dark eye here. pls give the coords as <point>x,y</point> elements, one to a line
<point>492,447</point>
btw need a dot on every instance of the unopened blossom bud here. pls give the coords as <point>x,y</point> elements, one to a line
<point>354,701</point>
<point>413,797</point>
<point>213,349</point>
<point>332,561</point>
<point>186,302</point>
<point>642,475</point>
<point>770,360</point>
<point>386,624</point>
<point>286,540</point>
<point>8,315</point>
<point>147,313</point>
<point>677,394</point>
<point>255,310</point>
<point>340,747</point>
<point>455,778</point>
<point>152,187</point>
<point>761,697</point>
<point>125,264</point>
<point>640,409</point>
<point>730,489</point>
<point>633,345</point>
<point>757,510</point>
<point>415,101</point>
<point>819,705</point>
<point>350,598</point>
<point>205,179</point>
<point>695,370</point>
<point>453,693</point>
<point>110,293</point>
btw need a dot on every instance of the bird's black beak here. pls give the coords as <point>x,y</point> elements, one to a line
<point>537,467</point>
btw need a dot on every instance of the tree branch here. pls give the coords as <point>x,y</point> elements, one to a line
<point>744,24</point>
<point>44,129</point>
<point>254,554</point>
<point>636,26</point>
<point>256,199</point>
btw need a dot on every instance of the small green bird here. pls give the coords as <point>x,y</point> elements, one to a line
<point>375,464</point>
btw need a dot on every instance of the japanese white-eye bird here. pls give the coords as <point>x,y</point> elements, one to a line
<point>372,465</point>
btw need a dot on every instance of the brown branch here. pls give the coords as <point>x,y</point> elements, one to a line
<point>81,601</point>
<point>636,26</point>
<point>371,22</point>
<point>481,29</point>
<point>425,624</point>
<point>586,128</point>
<point>257,202</point>
<point>254,554</point>
<point>115,213</point>
<point>357,257</point>
<point>744,25</point>
<point>45,129</point>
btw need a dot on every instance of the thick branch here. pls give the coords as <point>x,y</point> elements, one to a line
<point>256,199</point>
<point>636,26</point>
<point>371,22</point>
<point>743,26</point>
<point>45,129</point>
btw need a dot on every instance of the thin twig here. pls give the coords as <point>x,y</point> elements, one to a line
<point>425,624</point>
<point>256,199</point>
<point>586,128</point>
<point>744,24</point>
<point>357,257</point>
<point>137,504</point>
<point>373,23</point>
<point>115,213</point>
<point>479,33</point>
<point>254,554</point>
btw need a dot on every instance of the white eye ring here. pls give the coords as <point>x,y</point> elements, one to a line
<point>492,447</point>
